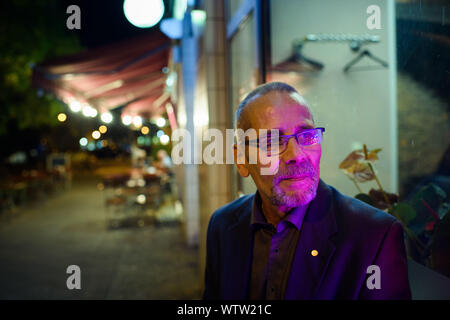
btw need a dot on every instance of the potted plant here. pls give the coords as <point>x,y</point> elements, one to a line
<point>425,215</point>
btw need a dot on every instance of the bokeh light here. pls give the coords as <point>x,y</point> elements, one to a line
<point>141,199</point>
<point>75,106</point>
<point>143,13</point>
<point>88,111</point>
<point>106,117</point>
<point>164,139</point>
<point>62,117</point>
<point>96,134</point>
<point>126,120</point>
<point>83,142</point>
<point>103,129</point>
<point>137,121</point>
<point>160,122</point>
<point>91,146</point>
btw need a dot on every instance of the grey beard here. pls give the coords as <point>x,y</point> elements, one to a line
<point>280,198</point>
<point>300,198</point>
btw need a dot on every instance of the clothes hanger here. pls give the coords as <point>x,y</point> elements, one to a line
<point>297,61</point>
<point>298,56</point>
<point>355,46</point>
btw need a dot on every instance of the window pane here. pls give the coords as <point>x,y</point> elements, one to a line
<point>378,79</point>
<point>363,98</point>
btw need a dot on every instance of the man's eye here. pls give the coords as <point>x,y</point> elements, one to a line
<point>309,138</point>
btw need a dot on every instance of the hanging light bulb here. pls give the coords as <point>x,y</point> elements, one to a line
<point>96,134</point>
<point>62,117</point>
<point>126,120</point>
<point>160,122</point>
<point>143,13</point>
<point>164,139</point>
<point>83,142</point>
<point>75,106</point>
<point>89,112</point>
<point>137,121</point>
<point>103,129</point>
<point>106,117</point>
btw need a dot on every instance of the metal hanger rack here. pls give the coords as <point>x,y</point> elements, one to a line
<point>355,42</point>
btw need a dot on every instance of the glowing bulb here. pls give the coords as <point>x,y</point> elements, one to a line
<point>160,133</point>
<point>141,183</point>
<point>160,122</point>
<point>141,199</point>
<point>145,130</point>
<point>106,117</point>
<point>103,129</point>
<point>93,113</point>
<point>140,140</point>
<point>198,17</point>
<point>137,121</point>
<point>164,139</point>
<point>83,142</point>
<point>91,146</point>
<point>96,134</point>
<point>126,120</point>
<point>88,111</point>
<point>143,13</point>
<point>62,117</point>
<point>75,106</point>
<point>171,79</point>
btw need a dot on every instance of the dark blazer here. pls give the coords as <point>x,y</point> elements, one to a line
<point>348,234</point>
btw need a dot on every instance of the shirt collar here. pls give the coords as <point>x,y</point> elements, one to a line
<point>295,217</point>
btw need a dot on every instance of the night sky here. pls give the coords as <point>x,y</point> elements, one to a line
<point>103,21</point>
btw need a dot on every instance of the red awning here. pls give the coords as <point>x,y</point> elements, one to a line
<point>130,73</point>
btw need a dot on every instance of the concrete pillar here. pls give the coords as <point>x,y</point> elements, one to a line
<point>217,180</point>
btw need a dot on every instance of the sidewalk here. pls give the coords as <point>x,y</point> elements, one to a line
<point>38,245</point>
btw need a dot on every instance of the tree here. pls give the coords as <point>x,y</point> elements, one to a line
<point>30,32</point>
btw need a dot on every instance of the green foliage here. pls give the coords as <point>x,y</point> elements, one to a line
<point>30,32</point>
<point>426,220</point>
<point>427,203</point>
<point>404,212</point>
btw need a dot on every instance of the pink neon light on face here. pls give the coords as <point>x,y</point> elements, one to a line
<point>296,177</point>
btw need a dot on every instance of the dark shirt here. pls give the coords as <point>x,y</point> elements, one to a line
<point>273,252</point>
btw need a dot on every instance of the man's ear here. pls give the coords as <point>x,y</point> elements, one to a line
<point>240,161</point>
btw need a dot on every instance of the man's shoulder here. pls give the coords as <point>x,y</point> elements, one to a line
<point>353,213</point>
<point>231,211</point>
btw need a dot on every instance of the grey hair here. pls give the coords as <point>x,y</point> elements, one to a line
<point>260,91</point>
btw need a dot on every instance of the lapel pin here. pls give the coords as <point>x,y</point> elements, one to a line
<point>314,253</point>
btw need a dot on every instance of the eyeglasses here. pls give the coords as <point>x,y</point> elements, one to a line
<point>305,138</point>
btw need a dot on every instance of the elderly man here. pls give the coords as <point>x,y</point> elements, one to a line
<point>297,237</point>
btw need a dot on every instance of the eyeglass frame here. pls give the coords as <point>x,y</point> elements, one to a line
<point>289,136</point>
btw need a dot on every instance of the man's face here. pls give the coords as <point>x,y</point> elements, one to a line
<point>295,179</point>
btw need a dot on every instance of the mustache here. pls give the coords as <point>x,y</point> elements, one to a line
<point>302,169</point>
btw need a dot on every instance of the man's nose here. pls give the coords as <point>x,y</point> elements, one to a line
<point>294,152</point>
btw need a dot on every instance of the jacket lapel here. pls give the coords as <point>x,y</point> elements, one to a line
<point>238,256</point>
<point>307,271</point>
<point>315,247</point>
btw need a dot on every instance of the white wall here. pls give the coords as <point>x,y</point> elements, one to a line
<point>355,108</point>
